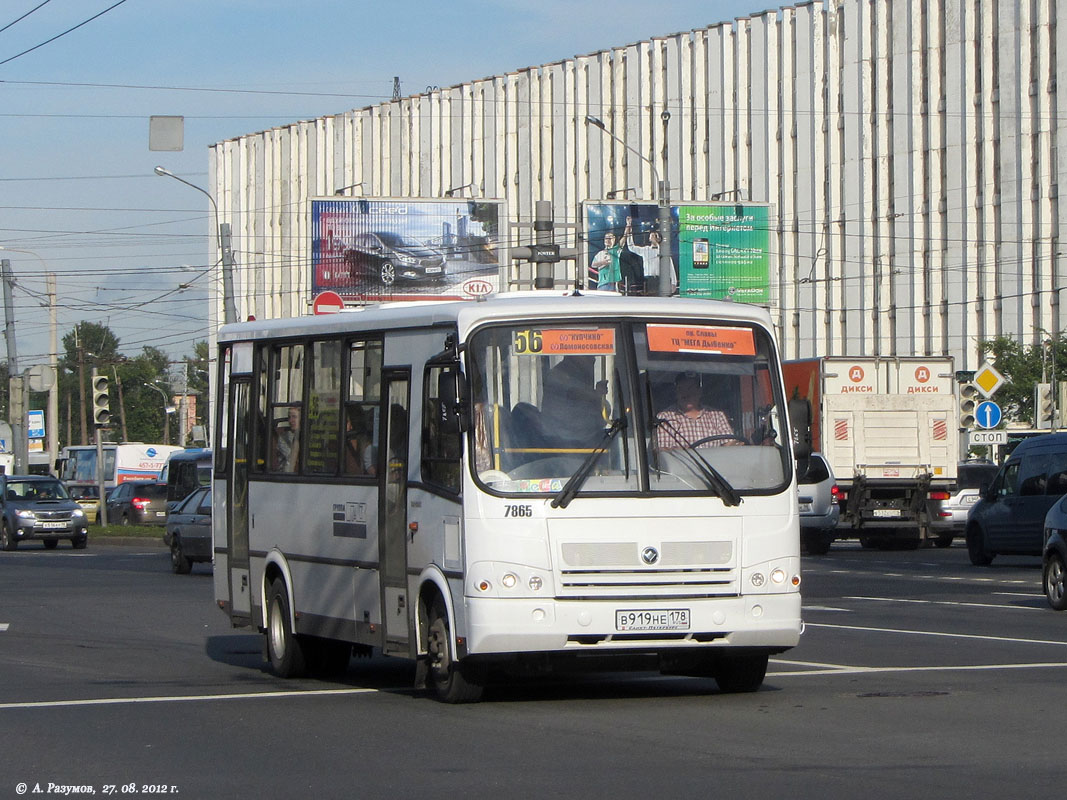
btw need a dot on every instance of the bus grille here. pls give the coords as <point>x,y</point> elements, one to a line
<point>649,583</point>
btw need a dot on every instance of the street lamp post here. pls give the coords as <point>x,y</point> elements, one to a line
<point>663,199</point>
<point>168,409</point>
<point>229,309</point>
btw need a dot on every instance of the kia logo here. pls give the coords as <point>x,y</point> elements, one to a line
<point>477,287</point>
<point>650,555</point>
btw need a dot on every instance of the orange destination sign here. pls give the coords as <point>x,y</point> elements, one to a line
<point>565,341</point>
<point>696,339</point>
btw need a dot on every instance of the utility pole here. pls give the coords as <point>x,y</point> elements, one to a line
<point>52,418</point>
<point>122,404</point>
<point>16,384</point>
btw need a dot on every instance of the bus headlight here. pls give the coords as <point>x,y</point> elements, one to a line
<point>494,579</point>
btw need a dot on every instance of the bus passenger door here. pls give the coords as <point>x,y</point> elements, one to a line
<point>237,499</point>
<point>392,512</point>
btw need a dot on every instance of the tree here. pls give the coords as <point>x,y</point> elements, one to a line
<point>1024,366</point>
<point>88,345</point>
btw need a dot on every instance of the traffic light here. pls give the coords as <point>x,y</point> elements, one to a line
<point>1044,405</point>
<point>968,404</point>
<point>101,401</point>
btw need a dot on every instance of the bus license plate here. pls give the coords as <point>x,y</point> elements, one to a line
<point>886,512</point>
<point>664,619</point>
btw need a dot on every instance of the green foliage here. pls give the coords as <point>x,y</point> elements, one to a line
<point>1024,366</point>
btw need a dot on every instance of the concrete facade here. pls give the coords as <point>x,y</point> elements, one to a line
<point>910,150</point>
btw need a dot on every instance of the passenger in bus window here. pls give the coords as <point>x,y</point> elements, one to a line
<point>689,420</point>
<point>287,442</point>
<point>360,456</point>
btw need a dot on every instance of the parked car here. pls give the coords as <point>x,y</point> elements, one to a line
<point>188,531</point>
<point>390,257</point>
<point>88,497</point>
<point>137,503</point>
<point>1009,517</point>
<point>948,512</point>
<point>819,497</point>
<point>1054,556</point>
<point>39,507</point>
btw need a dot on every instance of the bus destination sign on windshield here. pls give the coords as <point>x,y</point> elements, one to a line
<point>696,339</point>
<point>565,342</point>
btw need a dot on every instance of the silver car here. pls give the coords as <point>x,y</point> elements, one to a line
<point>948,511</point>
<point>818,496</point>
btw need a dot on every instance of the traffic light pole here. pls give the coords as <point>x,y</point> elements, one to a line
<point>101,418</point>
<point>102,512</point>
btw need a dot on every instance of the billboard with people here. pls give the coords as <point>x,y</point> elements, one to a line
<point>717,251</point>
<point>371,249</point>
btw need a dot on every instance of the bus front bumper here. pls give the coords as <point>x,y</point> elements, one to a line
<point>541,625</point>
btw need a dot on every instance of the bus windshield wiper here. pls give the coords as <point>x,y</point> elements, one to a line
<point>712,477</point>
<point>572,487</point>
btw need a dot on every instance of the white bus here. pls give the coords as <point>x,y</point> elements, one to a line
<point>129,461</point>
<point>507,484</point>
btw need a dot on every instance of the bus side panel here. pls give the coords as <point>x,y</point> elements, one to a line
<point>328,536</point>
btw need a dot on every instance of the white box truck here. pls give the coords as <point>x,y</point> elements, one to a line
<point>889,429</point>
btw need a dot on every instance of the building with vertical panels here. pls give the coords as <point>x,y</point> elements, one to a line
<point>909,150</point>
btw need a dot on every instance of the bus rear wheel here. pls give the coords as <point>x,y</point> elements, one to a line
<point>452,680</point>
<point>740,673</point>
<point>284,648</point>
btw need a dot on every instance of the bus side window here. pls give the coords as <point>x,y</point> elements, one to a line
<point>442,443</point>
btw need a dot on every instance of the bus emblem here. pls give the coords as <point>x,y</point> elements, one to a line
<point>650,555</point>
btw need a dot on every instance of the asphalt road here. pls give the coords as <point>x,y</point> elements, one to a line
<point>918,675</point>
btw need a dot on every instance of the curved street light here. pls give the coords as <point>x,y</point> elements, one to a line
<point>229,309</point>
<point>662,194</point>
<point>168,409</point>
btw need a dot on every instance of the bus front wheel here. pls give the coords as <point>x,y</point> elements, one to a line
<point>740,673</point>
<point>284,648</point>
<point>453,681</point>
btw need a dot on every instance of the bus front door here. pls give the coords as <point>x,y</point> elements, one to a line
<point>392,513</point>
<point>237,500</point>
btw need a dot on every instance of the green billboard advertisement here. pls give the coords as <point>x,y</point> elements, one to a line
<point>723,253</point>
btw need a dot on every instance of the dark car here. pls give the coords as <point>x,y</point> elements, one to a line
<point>390,257</point>
<point>1009,517</point>
<point>1054,556</point>
<point>137,503</point>
<point>188,531</point>
<point>39,507</point>
<point>949,510</point>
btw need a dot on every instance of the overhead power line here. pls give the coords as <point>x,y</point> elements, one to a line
<point>17,21</point>
<point>64,33</point>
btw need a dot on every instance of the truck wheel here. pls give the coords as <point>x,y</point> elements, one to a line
<point>284,648</point>
<point>976,550</point>
<point>1053,579</point>
<point>944,540</point>
<point>453,681</point>
<point>740,673</point>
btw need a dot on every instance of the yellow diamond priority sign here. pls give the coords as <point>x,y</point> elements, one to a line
<point>988,380</point>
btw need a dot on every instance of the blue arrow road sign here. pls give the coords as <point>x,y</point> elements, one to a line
<point>987,415</point>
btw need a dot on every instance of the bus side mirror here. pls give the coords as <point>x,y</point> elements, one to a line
<point>452,391</point>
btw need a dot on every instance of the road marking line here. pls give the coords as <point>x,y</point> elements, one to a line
<point>115,701</point>
<point>824,608</point>
<point>936,633</point>
<point>3,626</point>
<point>852,670</point>
<point>941,602</point>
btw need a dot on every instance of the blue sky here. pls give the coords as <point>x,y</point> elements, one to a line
<point>76,184</point>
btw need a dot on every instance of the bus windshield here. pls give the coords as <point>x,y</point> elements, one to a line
<point>627,407</point>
